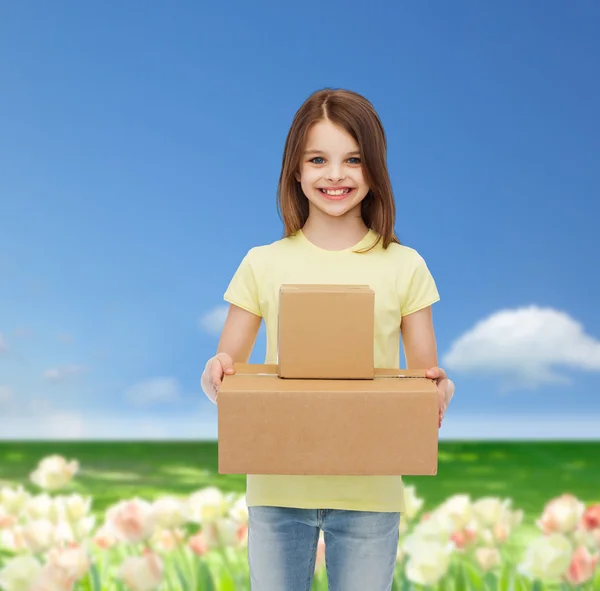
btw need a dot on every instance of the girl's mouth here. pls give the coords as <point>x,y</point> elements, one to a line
<point>336,194</point>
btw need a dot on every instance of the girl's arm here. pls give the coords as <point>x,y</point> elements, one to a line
<point>420,350</point>
<point>239,334</point>
<point>418,340</point>
<point>235,345</point>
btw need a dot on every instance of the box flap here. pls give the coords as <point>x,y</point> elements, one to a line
<point>333,288</point>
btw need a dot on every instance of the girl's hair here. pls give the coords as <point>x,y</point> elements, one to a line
<point>356,115</point>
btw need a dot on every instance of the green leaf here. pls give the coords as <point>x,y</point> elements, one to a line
<point>460,578</point>
<point>181,578</point>
<point>227,584</point>
<point>205,579</point>
<point>504,583</point>
<point>473,576</point>
<point>96,585</point>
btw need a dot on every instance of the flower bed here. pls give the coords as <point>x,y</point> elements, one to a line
<point>52,541</point>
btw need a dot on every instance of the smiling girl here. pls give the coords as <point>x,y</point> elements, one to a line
<point>338,209</point>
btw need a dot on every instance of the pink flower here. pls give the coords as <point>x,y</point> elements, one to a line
<point>131,521</point>
<point>53,578</point>
<point>582,566</point>
<point>320,561</point>
<point>72,559</point>
<point>242,535</point>
<point>501,532</point>
<point>198,544</point>
<point>591,518</point>
<point>142,573</point>
<point>463,537</point>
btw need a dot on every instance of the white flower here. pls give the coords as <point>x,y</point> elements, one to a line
<point>39,535</point>
<point>74,507</point>
<point>490,510</point>
<point>207,505</point>
<point>6,519</point>
<point>435,528</point>
<point>131,520</point>
<point>547,558</point>
<point>13,500</point>
<point>561,515</point>
<point>428,563</point>
<point>42,507</point>
<point>413,504</point>
<point>239,510</point>
<point>167,540</point>
<point>12,539</point>
<point>169,512</point>
<point>19,573</point>
<point>142,573</point>
<point>223,532</point>
<point>458,510</point>
<point>54,472</point>
<point>74,561</point>
<point>487,558</point>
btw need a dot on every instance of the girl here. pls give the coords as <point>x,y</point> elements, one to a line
<point>336,201</point>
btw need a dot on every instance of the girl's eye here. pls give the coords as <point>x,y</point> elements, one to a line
<point>353,160</point>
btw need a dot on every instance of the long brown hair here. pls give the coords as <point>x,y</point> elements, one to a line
<point>356,115</point>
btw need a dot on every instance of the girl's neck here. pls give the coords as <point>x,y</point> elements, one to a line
<point>334,233</point>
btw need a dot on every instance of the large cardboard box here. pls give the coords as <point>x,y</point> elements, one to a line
<point>384,426</point>
<point>326,332</point>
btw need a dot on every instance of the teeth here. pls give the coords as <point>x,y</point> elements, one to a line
<point>338,192</point>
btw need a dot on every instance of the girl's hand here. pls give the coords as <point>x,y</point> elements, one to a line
<point>445,388</point>
<point>212,377</point>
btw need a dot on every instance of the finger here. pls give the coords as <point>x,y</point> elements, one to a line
<point>216,373</point>
<point>436,373</point>
<point>226,363</point>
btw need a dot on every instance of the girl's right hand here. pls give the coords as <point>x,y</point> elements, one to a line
<point>212,377</point>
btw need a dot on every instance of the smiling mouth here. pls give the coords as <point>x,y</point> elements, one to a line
<point>336,193</point>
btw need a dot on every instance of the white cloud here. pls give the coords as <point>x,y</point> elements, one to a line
<point>213,321</point>
<point>59,374</point>
<point>155,390</point>
<point>526,346</point>
<point>6,394</point>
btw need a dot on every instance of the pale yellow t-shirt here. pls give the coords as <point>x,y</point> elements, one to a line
<point>402,284</point>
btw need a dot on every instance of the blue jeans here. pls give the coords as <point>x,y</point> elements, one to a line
<point>360,553</point>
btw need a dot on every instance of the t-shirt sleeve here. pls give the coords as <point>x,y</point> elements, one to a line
<point>242,290</point>
<point>422,290</point>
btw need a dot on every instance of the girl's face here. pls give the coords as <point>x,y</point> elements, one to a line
<point>330,171</point>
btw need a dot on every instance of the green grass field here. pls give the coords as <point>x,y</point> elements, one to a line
<point>529,473</point>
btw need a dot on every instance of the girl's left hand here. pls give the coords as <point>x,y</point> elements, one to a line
<point>445,388</point>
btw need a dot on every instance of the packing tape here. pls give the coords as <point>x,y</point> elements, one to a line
<point>385,376</point>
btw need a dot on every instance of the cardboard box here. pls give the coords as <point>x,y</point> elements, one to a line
<point>326,332</point>
<point>384,426</point>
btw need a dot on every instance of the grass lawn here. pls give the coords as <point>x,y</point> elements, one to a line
<point>529,473</point>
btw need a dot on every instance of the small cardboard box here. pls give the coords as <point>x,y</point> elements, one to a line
<point>326,332</point>
<point>384,426</point>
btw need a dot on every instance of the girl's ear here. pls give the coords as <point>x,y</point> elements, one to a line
<point>297,176</point>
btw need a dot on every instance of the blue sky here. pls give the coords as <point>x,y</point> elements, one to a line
<point>140,151</point>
